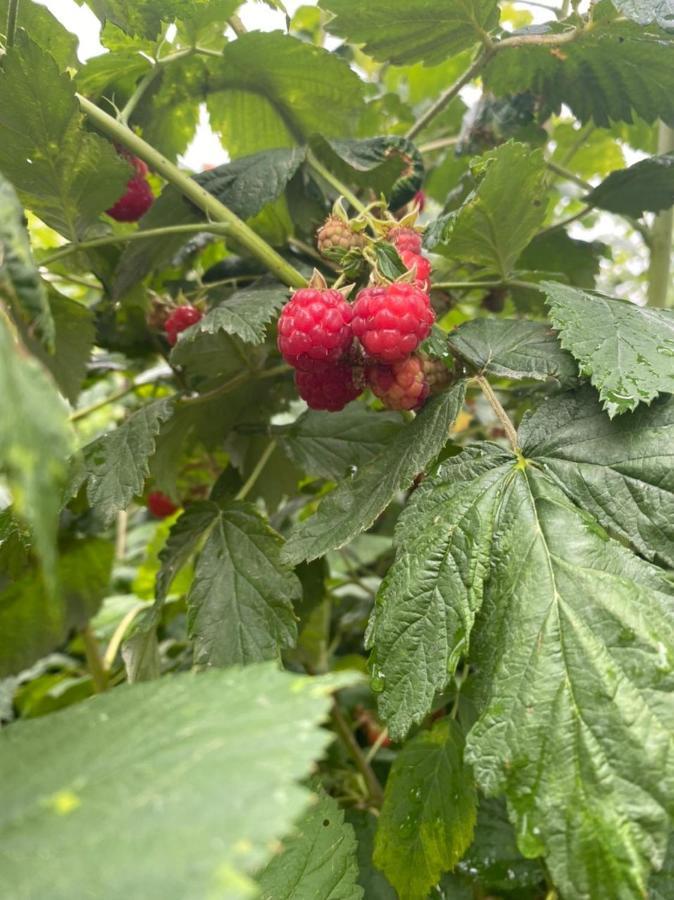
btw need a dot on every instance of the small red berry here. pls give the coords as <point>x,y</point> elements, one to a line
<point>327,386</point>
<point>314,327</point>
<point>405,239</point>
<point>402,385</point>
<point>180,319</point>
<point>391,322</point>
<point>422,266</point>
<point>160,505</point>
<point>138,197</point>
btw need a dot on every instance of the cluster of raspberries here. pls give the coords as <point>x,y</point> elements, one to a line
<point>319,333</point>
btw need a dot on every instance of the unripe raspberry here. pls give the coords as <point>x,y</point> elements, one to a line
<point>401,385</point>
<point>335,238</point>
<point>391,322</point>
<point>180,319</point>
<point>405,239</point>
<point>160,505</point>
<point>138,197</point>
<point>436,373</point>
<point>314,327</point>
<point>422,267</point>
<point>327,386</point>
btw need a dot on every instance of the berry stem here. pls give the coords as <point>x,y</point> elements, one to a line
<point>210,205</point>
<point>659,286</point>
<point>94,661</point>
<point>501,414</point>
<point>345,734</point>
<point>255,474</point>
<point>342,189</point>
<point>12,16</point>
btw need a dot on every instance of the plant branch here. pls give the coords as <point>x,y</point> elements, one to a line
<point>12,17</point>
<point>341,726</point>
<point>332,180</point>
<point>140,235</point>
<point>210,205</point>
<point>94,661</point>
<point>439,144</point>
<point>255,474</point>
<point>237,25</point>
<point>88,410</point>
<point>568,175</point>
<point>500,413</point>
<point>137,95</point>
<point>659,281</point>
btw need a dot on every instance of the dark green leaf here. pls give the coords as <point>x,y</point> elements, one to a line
<point>627,350</point>
<point>370,878</point>
<point>140,650</point>
<point>418,30</point>
<point>138,780</point>
<point>388,261</point>
<point>246,313</point>
<point>184,538</point>
<point>33,622</point>
<point>427,819</point>
<point>647,186</point>
<point>356,502</point>
<point>555,251</point>
<point>513,348</point>
<point>620,470</point>
<point>318,860</point>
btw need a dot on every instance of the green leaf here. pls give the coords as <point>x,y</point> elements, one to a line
<point>370,878</point>
<point>318,860</point>
<point>627,350</point>
<point>116,464</point>
<point>355,504</point>
<point>415,31</point>
<point>620,470</point>
<point>245,313</point>
<point>271,90</point>
<point>646,11</point>
<point>34,450</point>
<point>240,605</point>
<point>662,882</point>
<point>140,650</point>
<point>427,819</point>
<point>114,816</point>
<point>73,174</point>
<point>33,622</point>
<point>46,30</point>
<point>501,215</point>
<point>630,69</point>
<point>513,348</point>
<point>576,261</point>
<point>186,534</point>
<point>388,261</point>
<point>145,17</point>
<point>331,445</point>
<point>20,283</point>
<point>647,186</point>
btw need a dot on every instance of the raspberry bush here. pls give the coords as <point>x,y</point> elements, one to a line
<point>336,496</point>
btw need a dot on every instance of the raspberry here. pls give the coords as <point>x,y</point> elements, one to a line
<point>401,385</point>
<point>327,386</point>
<point>405,239</point>
<point>180,319</point>
<point>138,197</point>
<point>160,505</point>
<point>314,327</point>
<point>335,238</point>
<point>436,373</point>
<point>392,321</point>
<point>423,268</point>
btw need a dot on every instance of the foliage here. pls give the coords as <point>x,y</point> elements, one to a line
<point>377,652</point>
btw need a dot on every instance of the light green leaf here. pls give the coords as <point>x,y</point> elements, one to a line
<point>646,11</point>
<point>647,186</point>
<point>29,401</point>
<point>46,30</point>
<point>417,30</point>
<point>245,313</point>
<point>625,349</point>
<point>116,464</point>
<point>33,622</point>
<point>20,284</point>
<point>73,175</point>
<point>620,470</point>
<point>428,816</point>
<point>513,348</point>
<point>331,445</point>
<point>145,17</point>
<point>355,504</point>
<point>501,215</point>
<point>318,860</point>
<point>141,779</point>
<point>629,67</point>
<point>240,605</point>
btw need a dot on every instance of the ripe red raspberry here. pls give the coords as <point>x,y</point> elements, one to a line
<point>160,505</point>
<point>314,327</point>
<point>391,322</point>
<point>138,197</point>
<point>335,238</point>
<point>180,319</point>
<point>402,385</point>
<point>405,239</point>
<point>328,386</point>
<point>422,266</point>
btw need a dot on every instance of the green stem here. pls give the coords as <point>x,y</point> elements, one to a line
<point>12,17</point>
<point>345,734</point>
<point>210,205</point>
<point>568,175</point>
<point>439,144</point>
<point>255,474</point>
<point>94,662</point>
<point>137,95</point>
<point>133,236</point>
<point>499,411</point>
<point>332,180</point>
<point>237,25</point>
<point>88,410</point>
<point>659,281</point>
